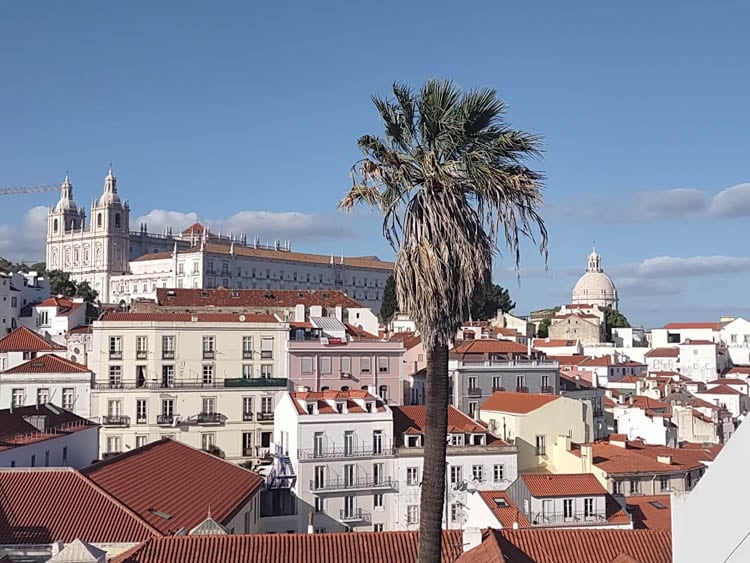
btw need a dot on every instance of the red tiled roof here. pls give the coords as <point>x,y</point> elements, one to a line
<point>175,317</point>
<point>192,298</point>
<point>172,478</point>
<point>334,394</point>
<point>647,516</point>
<point>553,343</point>
<point>194,228</point>
<point>672,352</point>
<point>727,381</point>
<point>638,457</point>
<point>411,419</point>
<point>517,403</point>
<point>608,403</point>
<point>16,431</point>
<point>721,390</point>
<point>153,256</point>
<point>647,403</point>
<point>409,339</point>
<point>26,340</point>
<point>745,370</point>
<point>629,379</point>
<point>360,333</point>
<point>81,329</point>
<point>563,485</point>
<point>572,360</point>
<point>363,547</point>
<point>488,347</point>
<point>579,546</point>
<point>689,342</point>
<point>676,326</point>
<point>48,363</point>
<point>64,305</point>
<point>43,505</point>
<point>506,515</point>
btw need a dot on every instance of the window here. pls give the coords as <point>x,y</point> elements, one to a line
<point>65,455</point>
<point>541,444</point>
<point>209,350</point>
<point>115,376</point>
<point>377,441</point>
<point>266,348</point>
<point>319,480</point>
<point>348,443</point>
<point>497,383</point>
<point>141,411</point>
<point>209,405</point>
<point>266,404</point>
<point>208,440</point>
<point>247,371</point>
<point>377,473</point>
<point>545,382</point>
<point>167,347</point>
<point>520,382</point>
<point>377,500</point>
<point>472,408</point>
<point>180,268</point>
<point>346,365</point>
<point>42,396</point>
<point>568,508</point>
<point>588,508</point>
<point>454,511</point>
<point>472,382</point>
<point>18,398</point>
<point>412,514</point>
<point>33,461</point>
<point>616,487</point>
<point>141,441</point>
<point>320,505</point>
<point>43,319</point>
<point>325,365</point>
<point>208,374</point>
<point>477,472</point>
<point>115,347</point>
<point>383,364</point>
<point>113,444</point>
<point>318,444</point>
<point>664,483</point>
<point>349,472</point>
<point>167,375</point>
<point>412,476</point>
<point>266,370</point>
<point>68,398</point>
<point>117,219</point>
<point>635,487</point>
<point>167,407</point>
<point>307,365</point>
<point>383,392</point>
<point>141,346</point>
<point>377,527</point>
<point>498,473</point>
<point>364,364</point>
<point>247,406</point>
<point>455,474</point>
<point>247,347</point>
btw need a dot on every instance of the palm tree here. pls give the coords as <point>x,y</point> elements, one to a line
<point>449,178</point>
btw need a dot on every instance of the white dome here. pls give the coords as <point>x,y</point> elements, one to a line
<point>66,202</point>
<point>595,287</point>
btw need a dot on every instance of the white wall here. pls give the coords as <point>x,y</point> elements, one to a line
<point>655,430</point>
<point>82,449</point>
<point>56,385</point>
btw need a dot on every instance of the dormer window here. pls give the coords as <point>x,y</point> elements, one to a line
<point>310,408</point>
<point>340,408</point>
<point>412,441</point>
<point>456,439</point>
<point>370,406</point>
<point>477,439</point>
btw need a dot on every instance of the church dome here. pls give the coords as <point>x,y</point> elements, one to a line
<point>66,202</point>
<point>595,287</point>
<point>110,195</point>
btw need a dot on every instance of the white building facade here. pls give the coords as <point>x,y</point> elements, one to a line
<point>16,291</point>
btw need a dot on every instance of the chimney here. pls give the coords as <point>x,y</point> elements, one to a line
<point>310,527</point>
<point>619,440</point>
<point>472,538</point>
<point>57,547</point>
<point>587,456</point>
<point>515,524</point>
<point>299,313</point>
<point>340,313</point>
<point>665,459</point>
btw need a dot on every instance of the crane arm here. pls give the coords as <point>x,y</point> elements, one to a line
<point>28,189</point>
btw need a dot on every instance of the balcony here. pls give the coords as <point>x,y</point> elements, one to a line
<point>498,389</point>
<point>247,354</point>
<point>559,519</point>
<point>343,485</point>
<point>525,364</point>
<point>165,419</point>
<point>467,449</point>
<point>141,420</point>
<point>522,389</point>
<point>247,416</point>
<point>547,389</point>
<point>107,455</point>
<point>356,515</point>
<point>167,354</point>
<point>116,420</point>
<point>209,418</point>
<point>474,392</point>
<point>248,451</point>
<point>256,382</point>
<point>115,354</point>
<point>141,354</point>
<point>264,416</point>
<point>209,354</point>
<point>344,453</point>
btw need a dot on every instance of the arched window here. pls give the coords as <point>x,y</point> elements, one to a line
<point>54,225</point>
<point>117,219</point>
<point>345,388</point>
<point>99,220</point>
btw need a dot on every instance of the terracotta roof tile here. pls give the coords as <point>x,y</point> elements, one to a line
<point>24,339</point>
<point>671,352</point>
<point>64,305</point>
<point>689,342</point>
<point>252,298</point>
<point>153,256</point>
<point>409,339</point>
<point>172,478</point>
<point>553,343</point>
<point>194,228</point>
<point>411,420</point>
<point>648,514</point>
<point>496,501</point>
<point>363,547</point>
<point>745,370</point>
<point>579,545</point>
<point>648,403</point>
<point>16,431</point>
<point>721,390</point>
<point>727,381</point>
<point>517,403</point>
<point>48,363</point>
<point>63,493</point>
<point>188,317</point>
<point>676,326</point>
<point>563,485</point>
<point>488,347</point>
<point>572,360</point>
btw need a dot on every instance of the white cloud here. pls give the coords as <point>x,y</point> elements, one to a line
<point>669,204</point>
<point>159,219</point>
<point>731,202</point>
<point>25,241</point>
<point>673,266</point>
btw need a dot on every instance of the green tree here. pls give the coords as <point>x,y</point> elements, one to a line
<point>449,177</point>
<point>85,290</point>
<point>390,301</point>
<point>488,298</point>
<point>614,319</point>
<point>61,284</point>
<point>543,330</point>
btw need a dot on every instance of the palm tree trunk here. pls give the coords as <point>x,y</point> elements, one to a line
<point>433,473</point>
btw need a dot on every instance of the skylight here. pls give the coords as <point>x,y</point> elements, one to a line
<point>160,514</point>
<point>501,503</point>
<point>657,504</point>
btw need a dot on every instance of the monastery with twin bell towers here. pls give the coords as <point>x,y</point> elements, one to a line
<point>123,265</point>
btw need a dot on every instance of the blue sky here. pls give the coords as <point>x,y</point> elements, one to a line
<point>245,115</point>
